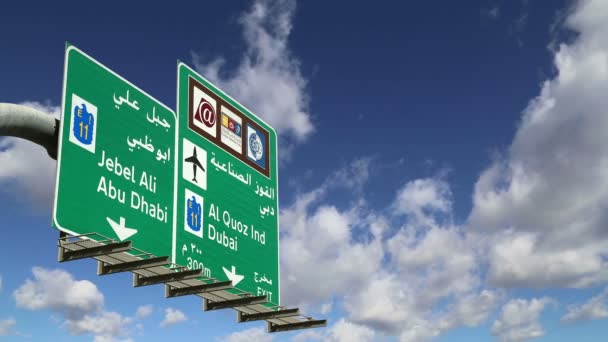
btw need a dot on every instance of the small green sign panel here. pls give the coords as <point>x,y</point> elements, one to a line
<point>117,160</point>
<point>227,195</point>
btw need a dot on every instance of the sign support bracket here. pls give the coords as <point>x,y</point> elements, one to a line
<point>171,291</point>
<point>111,248</point>
<point>244,317</point>
<point>279,320</point>
<point>105,268</point>
<point>139,280</point>
<point>295,326</point>
<point>232,303</point>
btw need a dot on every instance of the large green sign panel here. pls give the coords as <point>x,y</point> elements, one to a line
<point>227,196</point>
<point>117,159</point>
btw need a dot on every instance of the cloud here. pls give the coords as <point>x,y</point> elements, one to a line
<point>545,201</point>
<point>172,317</point>
<point>326,308</point>
<point>518,26</point>
<point>433,269</point>
<point>390,306</point>
<point>58,291</point>
<point>6,326</point>
<point>341,331</point>
<point>144,311</point>
<point>353,176</point>
<point>248,335</point>
<point>404,270</point>
<point>517,259</point>
<point>492,12</point>
<point>1,284</point>
<point>422,195</point>
<point>78,301</point>
<point>518,320</point>
<point>106,326</point>
<point>99,338</point>
<point>313,240</point>
<point>473,309</point>
<point>595,308</point>
<point>27,170</point>
<point>268,79</point>
<point>418,244</point>
<point>344,331</point>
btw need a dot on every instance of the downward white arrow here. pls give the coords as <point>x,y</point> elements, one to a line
<point>236,278</point>
<point>120,229</point>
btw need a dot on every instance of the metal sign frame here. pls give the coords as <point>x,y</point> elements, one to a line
<point>155,266</point>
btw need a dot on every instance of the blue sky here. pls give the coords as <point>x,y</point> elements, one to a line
<point>442,165</point>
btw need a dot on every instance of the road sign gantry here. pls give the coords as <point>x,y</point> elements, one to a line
<point>187,200</point>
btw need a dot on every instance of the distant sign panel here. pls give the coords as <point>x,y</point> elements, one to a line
<point>117,159</point>
<point>227,208</point>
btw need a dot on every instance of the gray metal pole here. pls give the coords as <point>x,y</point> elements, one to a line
<point>31,124</point>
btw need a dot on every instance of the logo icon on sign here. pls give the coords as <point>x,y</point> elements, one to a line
<point>83,123</point>
<point>231,129</point>
<point>256,146</point>
<point>205,113</point>
<point>194,214</point>
<point>232,125</point>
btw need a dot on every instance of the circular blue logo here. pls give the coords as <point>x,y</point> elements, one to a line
<point>255,146</point>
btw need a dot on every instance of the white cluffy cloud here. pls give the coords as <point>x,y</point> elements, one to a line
<point>144,311</point>
<point>403,270</point>
<point>518,320</point>
<point>341,331</point>
<point>550,192</point>
<point>172,317</point>
<point>58,291</point>
<point>344,331</point>
<point>79,302</point>
<point>595,308</point>
<point>314,234</point>
<point>423,200</point>
<point>268,78</point>
<point>6,326</point>
<point>27,170</point>
<point>248,335</point>
<point>104,325</point>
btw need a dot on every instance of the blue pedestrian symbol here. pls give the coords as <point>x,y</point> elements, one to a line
<point>84,124</point>
<point>194,214</point>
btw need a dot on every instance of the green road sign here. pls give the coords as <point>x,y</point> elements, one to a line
<point>227,195</point>
<point>117,159</point>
